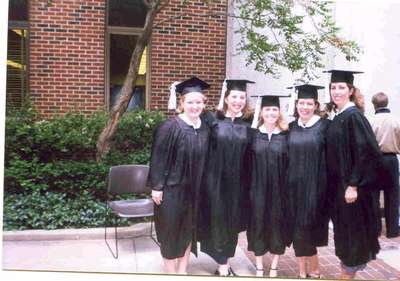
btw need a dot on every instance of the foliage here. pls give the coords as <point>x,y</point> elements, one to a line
<point>292,34</point>
<point>51,177</point>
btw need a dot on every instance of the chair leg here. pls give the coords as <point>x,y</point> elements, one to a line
<point>151,232</point>
<point>115,255</point>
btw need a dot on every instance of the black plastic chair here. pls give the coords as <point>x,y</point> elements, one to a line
<point>128,179</point>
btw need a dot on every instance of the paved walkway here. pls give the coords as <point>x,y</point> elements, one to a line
<point>86,251</point>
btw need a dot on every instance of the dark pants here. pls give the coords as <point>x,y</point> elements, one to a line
<point>390,187</point>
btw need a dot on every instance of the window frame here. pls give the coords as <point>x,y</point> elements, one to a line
<point>12,24</point>
<point>122,30</point>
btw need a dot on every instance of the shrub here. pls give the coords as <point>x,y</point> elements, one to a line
<point>51,178</point>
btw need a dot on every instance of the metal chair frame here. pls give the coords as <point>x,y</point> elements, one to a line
<point>144,169</point>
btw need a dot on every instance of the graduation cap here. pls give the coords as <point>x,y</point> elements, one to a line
<point>342,75</point>
<point>191,85</point>
<point>238,85</point>
<point>262,101</point>
<point>232,84</point>
<point>305,91</point>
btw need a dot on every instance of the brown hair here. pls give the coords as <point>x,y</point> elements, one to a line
<point>281,123</point>
<point>247,113</point>
<point>179,109</point>
<point>355,97</point>
<point>317,110</point>
<point>380,100</point>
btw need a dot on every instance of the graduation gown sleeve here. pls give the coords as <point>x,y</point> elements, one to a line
<point>161,154</point>
<point>364,151</point>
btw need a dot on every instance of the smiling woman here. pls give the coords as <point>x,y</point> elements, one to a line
<point>176,170</point>
<point>307,180</point>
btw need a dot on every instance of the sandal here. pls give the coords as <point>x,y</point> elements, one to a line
<point>231,272</point>
<point>259,272</point>
<point>307,276</point>
<point>273,272</point>
<point>315,275</point>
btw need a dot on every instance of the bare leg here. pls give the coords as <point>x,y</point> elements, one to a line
<point>259,262</point>
<point>273,272</point>
<point>183,261</point>
<point>314,266</point>
<point>170,266</point>
<point>302,267</point>
<point>259,266</point>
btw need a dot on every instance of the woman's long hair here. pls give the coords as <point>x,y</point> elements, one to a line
<point>317,110</point>
<point>356,97</point>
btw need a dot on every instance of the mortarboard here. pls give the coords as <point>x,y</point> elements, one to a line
<point>262,101</point>
<point>238,85</point>
<point>342,75</point>
<point>191,85</point>
<point>232,84</point>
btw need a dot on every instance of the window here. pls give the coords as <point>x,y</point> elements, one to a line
<point>125,22</point>
<point>17,53</point>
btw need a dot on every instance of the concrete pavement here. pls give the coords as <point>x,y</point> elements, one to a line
<point>84,250</point>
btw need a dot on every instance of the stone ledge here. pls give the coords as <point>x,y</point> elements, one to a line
<point>76,234</point>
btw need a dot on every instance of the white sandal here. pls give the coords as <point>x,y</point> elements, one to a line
<point>273,272</point>
<point>259,272</point>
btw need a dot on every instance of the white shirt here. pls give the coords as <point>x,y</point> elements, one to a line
<point>240,114</point>
<point>346,106</point>
<point>263,130</point>
<point>310,122</point>
<point>189,122</point>
<point>387,131</point>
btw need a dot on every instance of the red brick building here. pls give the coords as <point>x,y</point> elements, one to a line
<point>74,54</point>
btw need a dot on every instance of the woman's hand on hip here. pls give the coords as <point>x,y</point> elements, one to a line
<point>157,196</point>
<point>351,194</point>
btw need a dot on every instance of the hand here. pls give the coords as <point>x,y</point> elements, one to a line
<point>157,196</point>
<point>351,194</point>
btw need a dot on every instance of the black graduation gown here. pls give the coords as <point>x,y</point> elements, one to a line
<point>354,160</point>
<point>268,224</point>
<point>224,199</point>
<point>176,167</point>
<point>307,183</point>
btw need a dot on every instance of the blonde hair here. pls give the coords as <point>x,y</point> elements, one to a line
<point>181,100</point>
<point>246,109</point>
<point>281,123</point>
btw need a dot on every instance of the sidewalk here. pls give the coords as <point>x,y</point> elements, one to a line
<point>85,251</point>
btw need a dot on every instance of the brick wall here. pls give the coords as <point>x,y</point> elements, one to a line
<point>190,45</point>
<point>67,55</point>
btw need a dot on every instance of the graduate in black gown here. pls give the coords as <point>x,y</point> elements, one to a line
<point>268,225</point>
<point>176,168</point>
<point>307,180</point>
<point>224,199</point>
<point>354,161</point>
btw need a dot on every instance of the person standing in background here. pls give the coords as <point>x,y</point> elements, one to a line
<point>387,131</point>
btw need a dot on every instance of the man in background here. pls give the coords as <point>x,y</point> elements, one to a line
<point>387,131</point>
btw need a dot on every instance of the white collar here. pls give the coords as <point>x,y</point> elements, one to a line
<point>314,119</point>
<point>189,122</point>
<point>346,106</point>
<point>263,130</point>
<point>240,114</point>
